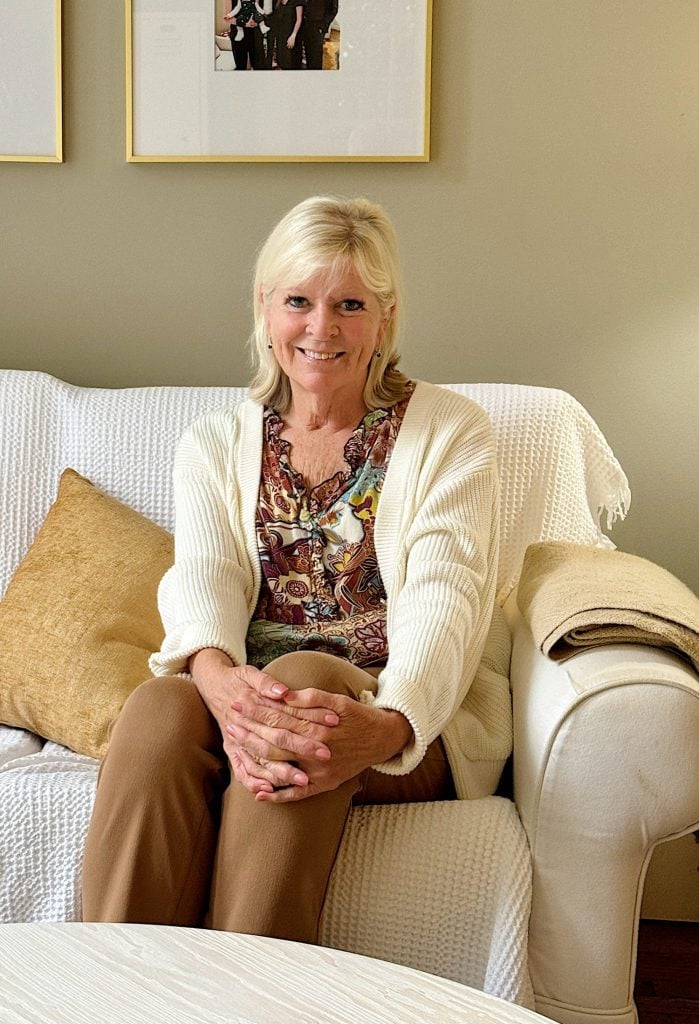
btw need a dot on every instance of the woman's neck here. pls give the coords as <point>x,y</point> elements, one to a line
<point>333,414</point>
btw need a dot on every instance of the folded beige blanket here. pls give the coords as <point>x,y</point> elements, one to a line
<point>574,597</point>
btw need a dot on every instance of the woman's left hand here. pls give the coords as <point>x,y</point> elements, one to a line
<point>363,736</point>
<point>291,42</point>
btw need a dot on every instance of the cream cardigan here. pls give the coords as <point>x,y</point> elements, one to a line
<point>436,540</point>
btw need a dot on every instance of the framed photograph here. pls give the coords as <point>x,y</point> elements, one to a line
<point>31,122</point>
<point>347,80</point>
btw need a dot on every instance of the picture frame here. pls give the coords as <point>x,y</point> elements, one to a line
<point>31,102</point>
<point>370,103</point>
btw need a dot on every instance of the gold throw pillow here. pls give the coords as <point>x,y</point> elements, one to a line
<point>80,617</point>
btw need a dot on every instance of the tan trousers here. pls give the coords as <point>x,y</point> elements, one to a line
<point>173,841</point>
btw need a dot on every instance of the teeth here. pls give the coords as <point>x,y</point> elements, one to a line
<point>320,355</point>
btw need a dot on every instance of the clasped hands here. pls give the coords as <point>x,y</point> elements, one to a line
<point>286,745</point>
<point>250,23</point>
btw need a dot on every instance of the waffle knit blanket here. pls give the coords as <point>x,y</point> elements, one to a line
<point>467,859</point>
<point>575,597</point>
<point>559,479</point>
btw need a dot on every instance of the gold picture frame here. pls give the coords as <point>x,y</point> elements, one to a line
<point>182,107</point>
<point>31,92</point>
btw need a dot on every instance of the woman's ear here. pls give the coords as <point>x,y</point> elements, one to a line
<point>389,312</point>
<point>264,307</point>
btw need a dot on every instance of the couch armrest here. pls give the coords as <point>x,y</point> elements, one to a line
<point>605,753</point>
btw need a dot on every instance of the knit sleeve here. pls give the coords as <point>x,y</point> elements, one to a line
<point>438,620</point>
<point>203,599</point>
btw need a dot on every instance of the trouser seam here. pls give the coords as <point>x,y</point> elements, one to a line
<point>206,812</point>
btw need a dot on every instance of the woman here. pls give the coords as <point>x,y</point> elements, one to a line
<point>286,21</point>
<point>333,584</point>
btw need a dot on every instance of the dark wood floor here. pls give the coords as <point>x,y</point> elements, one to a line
<point>667,973</point>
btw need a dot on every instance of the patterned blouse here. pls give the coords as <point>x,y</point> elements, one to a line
<point>321,586</point>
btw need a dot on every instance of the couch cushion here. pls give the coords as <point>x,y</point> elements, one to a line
<point>79,618</point>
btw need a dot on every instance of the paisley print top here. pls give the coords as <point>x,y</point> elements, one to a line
<point>321,586</point>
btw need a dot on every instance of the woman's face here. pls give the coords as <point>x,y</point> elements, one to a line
<point>324,333</point>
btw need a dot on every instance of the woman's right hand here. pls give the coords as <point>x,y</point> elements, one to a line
<point>222,686</point>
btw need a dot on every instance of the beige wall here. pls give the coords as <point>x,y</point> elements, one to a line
<point>553,238</point>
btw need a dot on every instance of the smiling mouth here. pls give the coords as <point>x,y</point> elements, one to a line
<point>320,356</point>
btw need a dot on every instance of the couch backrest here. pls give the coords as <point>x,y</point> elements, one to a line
<point>557,471</point>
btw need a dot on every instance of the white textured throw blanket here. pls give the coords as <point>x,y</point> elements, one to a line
<point>46,799</point>
<point>558,475</point>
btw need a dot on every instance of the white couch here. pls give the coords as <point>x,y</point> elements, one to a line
<point>602,743</point>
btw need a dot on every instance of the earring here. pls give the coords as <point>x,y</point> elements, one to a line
<point>269,345</point>
<point>377,354</point>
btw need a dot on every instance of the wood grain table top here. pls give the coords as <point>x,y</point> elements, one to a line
<point>144,974</point>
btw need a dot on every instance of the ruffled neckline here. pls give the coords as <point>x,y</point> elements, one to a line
<point>355,452</point>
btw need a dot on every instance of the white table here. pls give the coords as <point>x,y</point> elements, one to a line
<point>141,974</point>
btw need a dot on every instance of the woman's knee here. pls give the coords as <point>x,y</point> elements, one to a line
<point>160,716</point>
<point>301,669</point>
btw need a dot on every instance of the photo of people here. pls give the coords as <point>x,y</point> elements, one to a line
<point>277,35</point>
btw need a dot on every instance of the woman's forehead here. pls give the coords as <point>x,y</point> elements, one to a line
<point>332,282</point>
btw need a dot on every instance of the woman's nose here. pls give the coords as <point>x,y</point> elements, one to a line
<point>322,322</point>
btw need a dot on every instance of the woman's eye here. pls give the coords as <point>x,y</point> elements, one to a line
<point>352,305</point>
<point>295,301</point>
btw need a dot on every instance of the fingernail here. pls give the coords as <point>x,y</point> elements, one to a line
<point>300,780</point>
<point>323,753</point>
<point>237,706</point>
<point>331,718</point>
<point>279,689</point>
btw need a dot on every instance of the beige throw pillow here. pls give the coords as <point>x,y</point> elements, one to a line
<point>80,618</point>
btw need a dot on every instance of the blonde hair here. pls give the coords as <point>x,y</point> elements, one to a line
<point>333,235</point>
